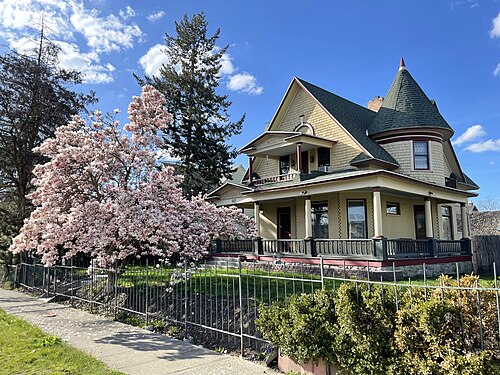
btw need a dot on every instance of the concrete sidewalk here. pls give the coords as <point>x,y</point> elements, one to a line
<point>125,348</point>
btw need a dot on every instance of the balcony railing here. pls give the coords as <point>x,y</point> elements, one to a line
<point>366,249</point>
<point>274,179</point>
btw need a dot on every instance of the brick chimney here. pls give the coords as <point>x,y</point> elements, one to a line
<point>375,103</point>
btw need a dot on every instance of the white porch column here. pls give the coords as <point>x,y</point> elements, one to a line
<point>299,157</point>
<point>256,215</point>
<point>377,213</point>
<point>308,218</point>
<point>465,222</point>
<point>428,219</point>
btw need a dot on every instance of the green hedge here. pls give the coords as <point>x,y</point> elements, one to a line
<point>360,330</point>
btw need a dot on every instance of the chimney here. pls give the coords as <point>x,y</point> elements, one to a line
<point>375,103</point>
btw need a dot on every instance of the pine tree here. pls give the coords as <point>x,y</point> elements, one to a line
<point>201,125</point>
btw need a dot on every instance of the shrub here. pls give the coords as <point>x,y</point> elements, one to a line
<point>302,327</point>
<point>359,330</point>
<point>365,329</point>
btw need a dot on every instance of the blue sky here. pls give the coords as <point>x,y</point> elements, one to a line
<point>352,48</point>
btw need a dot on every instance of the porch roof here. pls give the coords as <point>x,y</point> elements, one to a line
<point>380,178</point>
<point>282,143</point>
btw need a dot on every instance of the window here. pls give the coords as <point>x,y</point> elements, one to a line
<point>320,219</point>
<point>323,159</point>
<point>284,164</point>
<point>421,155</point>
<point>392,208</point>
<point>446,218</point>
<point>356,218</point>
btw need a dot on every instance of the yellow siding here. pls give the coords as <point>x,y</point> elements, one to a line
<point>402,152</point>
<point>324,126</point>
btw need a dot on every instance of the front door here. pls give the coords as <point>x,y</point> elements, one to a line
<point>284,223</point>
<point>284,229</point>
<point>419,215</point>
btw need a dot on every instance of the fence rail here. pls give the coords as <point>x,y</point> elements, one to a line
<point>211,302</point>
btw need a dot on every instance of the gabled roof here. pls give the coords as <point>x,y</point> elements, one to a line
<point>406,106</point>
<point>353,117</point>
<point>226,186</point>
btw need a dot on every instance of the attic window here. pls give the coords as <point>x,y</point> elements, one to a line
<point>421,155</point>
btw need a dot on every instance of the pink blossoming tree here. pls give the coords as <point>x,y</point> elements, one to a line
<point>103,193</point>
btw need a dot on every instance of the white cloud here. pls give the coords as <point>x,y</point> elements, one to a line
<point>103,34</point>
<point>66,21</point>
<point>127,13</point>
<point>489,145</point>
<point>244,82</point>
<point>472,133</point>
<point>227,66</point>
<point>152,61</point>
<point>153,17</point>
<point>71,58</point>
<point>495,30</point>
<point>496,72</point>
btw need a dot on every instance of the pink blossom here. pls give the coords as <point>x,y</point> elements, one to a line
<point>103,193</point>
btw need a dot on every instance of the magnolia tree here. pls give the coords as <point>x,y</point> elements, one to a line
<point>103,193</point>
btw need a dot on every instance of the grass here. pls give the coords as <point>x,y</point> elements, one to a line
<point>25,349</point>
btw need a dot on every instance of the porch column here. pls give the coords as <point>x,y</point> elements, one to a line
<point>256,214</point>
<point>308,218</point>
<point>299,157</point>
<point>428,219</point>
<point>465,222</point>
<point>377,213</point>
<point>250,169</point>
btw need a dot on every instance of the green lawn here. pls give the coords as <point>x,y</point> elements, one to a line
<point>25,349</point>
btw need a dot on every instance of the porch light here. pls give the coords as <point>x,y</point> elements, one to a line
<point>303,192</point>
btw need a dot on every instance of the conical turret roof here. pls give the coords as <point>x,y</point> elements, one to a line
<point>407,107</point>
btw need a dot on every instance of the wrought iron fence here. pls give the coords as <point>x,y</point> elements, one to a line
<point>216,303</point>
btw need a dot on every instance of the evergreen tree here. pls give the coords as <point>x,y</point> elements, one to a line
<point>201,124</point>
<point>34,100</point>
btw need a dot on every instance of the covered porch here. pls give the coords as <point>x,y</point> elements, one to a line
<point>363,218</point>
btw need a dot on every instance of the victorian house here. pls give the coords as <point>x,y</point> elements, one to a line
<point>333,179</point>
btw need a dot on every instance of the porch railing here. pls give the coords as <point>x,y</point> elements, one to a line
<point>273,179</point>
<point>366,249</point>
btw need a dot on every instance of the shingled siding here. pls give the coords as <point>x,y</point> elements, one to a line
<point>324,126</point>
<point>266,167</point>
<point>402,152</point>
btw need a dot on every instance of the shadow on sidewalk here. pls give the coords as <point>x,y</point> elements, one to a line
<point>164,347</point>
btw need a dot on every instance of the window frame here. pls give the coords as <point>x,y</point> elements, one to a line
<point>320,212</point>
<point>427,155</point>
<point>398,208</point>
<point>449,216</point>
<point>366,217</point>
<point>329,150</point>
<point>289,164</point>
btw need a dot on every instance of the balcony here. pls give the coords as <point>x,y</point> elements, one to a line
<point>379,249</point>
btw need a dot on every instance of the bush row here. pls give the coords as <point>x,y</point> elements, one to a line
<point>365,329</point>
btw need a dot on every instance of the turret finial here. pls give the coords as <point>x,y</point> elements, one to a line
<point>402,64</point>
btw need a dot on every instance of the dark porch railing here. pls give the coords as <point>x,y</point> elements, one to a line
<point>366,249</point>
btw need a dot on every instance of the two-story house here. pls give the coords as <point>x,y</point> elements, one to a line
<point>331,178</point>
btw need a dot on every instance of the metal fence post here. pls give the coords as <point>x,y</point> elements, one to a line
<point>185,299</point>
<point>71,282</point>
<point>322,273</point>
<point>115,290</point>
<point>147,291</point>
<point>241,306</point>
